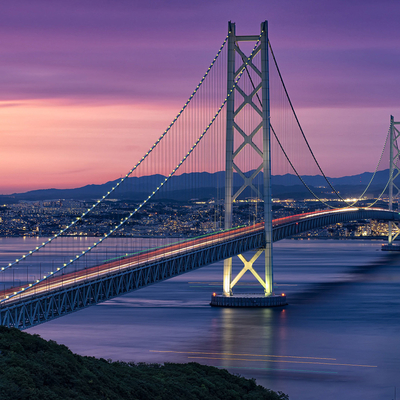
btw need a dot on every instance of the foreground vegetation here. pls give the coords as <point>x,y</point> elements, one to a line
<point>32,368</point>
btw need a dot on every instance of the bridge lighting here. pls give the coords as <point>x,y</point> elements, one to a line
<point>30,284</point>
<point>37,280</point>
<point>65,265</point>
<point>283,294</point>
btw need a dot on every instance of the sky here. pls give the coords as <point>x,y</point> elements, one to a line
<point>86,87</point>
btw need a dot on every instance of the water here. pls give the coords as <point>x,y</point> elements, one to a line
<point>337,339</point>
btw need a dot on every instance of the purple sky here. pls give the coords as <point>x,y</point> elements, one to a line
<point>85,81</point>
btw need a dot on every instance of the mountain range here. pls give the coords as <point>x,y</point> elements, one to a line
<point>208,185</point>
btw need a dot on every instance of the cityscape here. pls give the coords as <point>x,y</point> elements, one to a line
<point>165,218</point>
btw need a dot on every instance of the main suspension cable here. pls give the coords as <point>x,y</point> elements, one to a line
<point>295,171</point>
<point>309,147</point>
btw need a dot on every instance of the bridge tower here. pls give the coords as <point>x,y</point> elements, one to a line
<point>394,172</point>
<point>259,101</point>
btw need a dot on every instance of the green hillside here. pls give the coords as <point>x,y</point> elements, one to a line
<point>34,369</point>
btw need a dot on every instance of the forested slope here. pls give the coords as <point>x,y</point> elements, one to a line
<point>35,369</point>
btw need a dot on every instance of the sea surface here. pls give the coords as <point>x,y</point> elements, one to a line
<point>339,337</point>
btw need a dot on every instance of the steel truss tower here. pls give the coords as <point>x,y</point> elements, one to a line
<point>262,108</point>
<point>394,172</point>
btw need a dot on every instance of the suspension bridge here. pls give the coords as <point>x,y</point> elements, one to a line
<point>237,130</point>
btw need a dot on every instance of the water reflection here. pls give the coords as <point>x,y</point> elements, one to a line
<point>246,337</point>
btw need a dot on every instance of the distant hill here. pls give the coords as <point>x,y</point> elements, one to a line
<point>208,186</point>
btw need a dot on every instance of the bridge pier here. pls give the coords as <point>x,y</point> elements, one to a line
<point>248,300</point>
<point>228,299</point>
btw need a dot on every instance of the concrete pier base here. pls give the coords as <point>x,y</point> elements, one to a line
<point>248,300</point>
<point>391,247</point>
